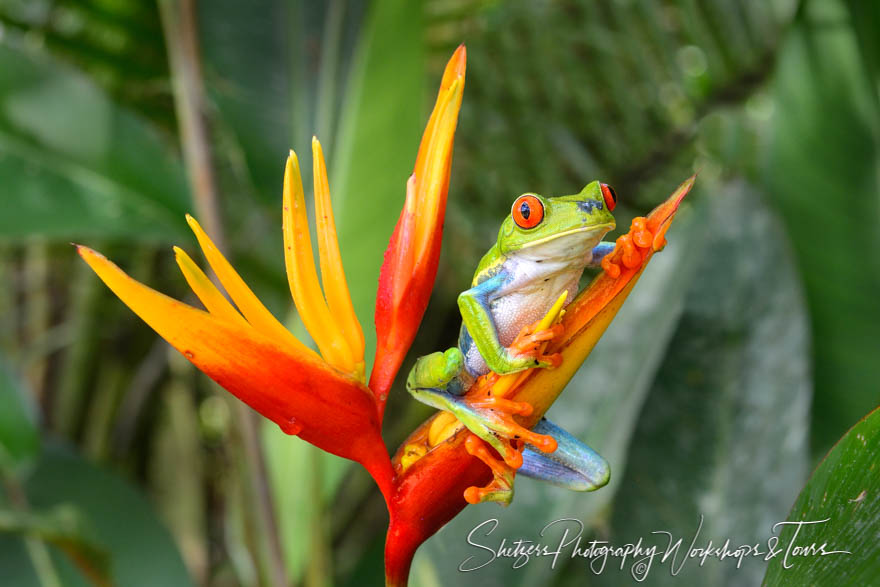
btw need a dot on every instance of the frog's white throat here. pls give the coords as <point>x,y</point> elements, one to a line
<point>570,247</point>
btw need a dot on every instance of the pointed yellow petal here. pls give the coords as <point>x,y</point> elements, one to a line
<point>302,277</point>
<point>554,312</point>
<point>332,272</point>
<point>162,313</point>
<point>436,163</point>
<point>249,304</point>
<point>208,294</point>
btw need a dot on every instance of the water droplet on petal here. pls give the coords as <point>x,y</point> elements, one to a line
<point>188,354</point>
<point>291,427</point>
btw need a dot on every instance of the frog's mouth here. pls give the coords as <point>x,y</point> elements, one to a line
<point>599,229</point>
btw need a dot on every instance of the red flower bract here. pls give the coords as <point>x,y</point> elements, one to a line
<point>410,265</point>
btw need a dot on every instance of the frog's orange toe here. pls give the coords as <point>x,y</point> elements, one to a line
<point>529,339</point>
<point>610,267</point>
<point>500,489</point>
<point>630,257</point>
<point>501,404</point>
<point>642,237</point>
<point>555,359</point>
<point>630,249</point>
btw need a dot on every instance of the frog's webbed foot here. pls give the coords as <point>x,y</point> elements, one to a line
<point>492,417</point>
<point>531,340</point>
<point>573,465</point>
<point>500,489</point>
<point>631,248</point>
<point>491,420</point>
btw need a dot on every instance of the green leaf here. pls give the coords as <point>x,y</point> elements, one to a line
<point>76,165</point>
<point>19,435</point>
<point>599,406</point>
<point>822,175</point>
<point>724,432</point>
<point>141,551</point>
<point>844,490</point>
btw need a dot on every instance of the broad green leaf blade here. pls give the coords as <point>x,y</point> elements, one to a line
<point>19,435</point>
<point>724,432</point>
<point>141,551</point>
<point>600,406</point>
<point>844,490</point>
<point>822,175</point>
<point>76,165</point>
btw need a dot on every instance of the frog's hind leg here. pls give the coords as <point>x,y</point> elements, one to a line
<point>437,376</point>
<point>573,464</point>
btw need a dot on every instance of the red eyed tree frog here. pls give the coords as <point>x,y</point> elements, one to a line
<point>543,247</point>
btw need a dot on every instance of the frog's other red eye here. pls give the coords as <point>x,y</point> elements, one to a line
<point>527,211</point>
<point>609,195</point>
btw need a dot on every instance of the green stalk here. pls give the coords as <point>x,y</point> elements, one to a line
<point>36,275</point>
<point>318,573</point>
<point>75,368</point>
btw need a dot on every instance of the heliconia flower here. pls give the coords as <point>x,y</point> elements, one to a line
<point>435,469</point>
<point>410,266</point>
<point>322,398</point>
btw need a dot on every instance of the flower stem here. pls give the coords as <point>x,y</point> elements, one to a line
<point>179,26</point>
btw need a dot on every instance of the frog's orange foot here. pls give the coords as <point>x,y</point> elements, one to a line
<point>500,489</point>
<point>631,248</point>
<point>529,342</point>
<point>498,426</point>
<point>610,267</point>
<point>484,383</point>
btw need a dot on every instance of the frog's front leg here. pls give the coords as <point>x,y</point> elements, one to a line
<point>573,465</point>
<point>474,305</point>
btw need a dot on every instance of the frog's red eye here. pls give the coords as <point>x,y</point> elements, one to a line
<point>609,195</point>
<point>527,211</point>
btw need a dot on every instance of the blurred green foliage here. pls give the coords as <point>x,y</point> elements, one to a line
<point>699,395</point>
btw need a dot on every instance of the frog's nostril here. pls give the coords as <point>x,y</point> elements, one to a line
<point>589,205</point>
